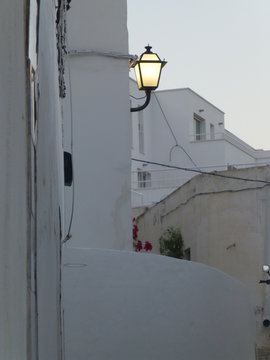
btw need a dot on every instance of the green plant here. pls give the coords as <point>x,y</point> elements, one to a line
<point>171,243</point>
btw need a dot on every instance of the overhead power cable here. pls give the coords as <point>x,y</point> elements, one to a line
<point>173,135</point>
<point>137,98</point>
<point>201,172</point>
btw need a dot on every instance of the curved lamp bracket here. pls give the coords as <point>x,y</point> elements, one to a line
<point>141,107</point>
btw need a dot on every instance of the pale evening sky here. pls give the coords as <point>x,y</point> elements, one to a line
<point>220,49</point>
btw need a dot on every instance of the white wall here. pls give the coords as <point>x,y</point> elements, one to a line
<point>101,126</point>
<point>169,139</point>
<point>49,188</point>
<point>235,148</point>
<point>31,181</point>
<point>152,307</point>
<point>14,181</point>
<point>98,26</point>
<point>179,107</point>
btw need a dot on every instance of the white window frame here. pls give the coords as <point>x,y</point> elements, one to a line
<point>199,128</point>
<point>212,132</point>
<point>144,179</point>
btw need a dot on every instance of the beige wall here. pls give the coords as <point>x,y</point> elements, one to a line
<point>224,222</point>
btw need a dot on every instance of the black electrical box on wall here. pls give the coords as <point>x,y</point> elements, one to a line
<point>68,169</point>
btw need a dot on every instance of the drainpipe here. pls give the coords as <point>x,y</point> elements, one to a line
<point>266,309</point>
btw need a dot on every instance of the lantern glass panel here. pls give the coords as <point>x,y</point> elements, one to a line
<point>138,76</point>
<point>150,74</point>
<point>149,57</point>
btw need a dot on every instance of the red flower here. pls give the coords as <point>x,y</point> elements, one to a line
<point>139,246</point>
<point>148,246</point>
<point>135,231</point>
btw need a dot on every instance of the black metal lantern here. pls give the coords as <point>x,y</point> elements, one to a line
<point>147,70</point>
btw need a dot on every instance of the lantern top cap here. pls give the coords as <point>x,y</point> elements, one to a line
<point>151,57</point>
<point>148,49</point>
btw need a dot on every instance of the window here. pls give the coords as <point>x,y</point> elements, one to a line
<point>199,128</point>
<point>212,132</point>
<point>141,132</point>
<point>144,179</point>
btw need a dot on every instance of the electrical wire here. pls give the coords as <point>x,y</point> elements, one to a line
<point>165,118</point>
<point>137,98</point>
<point>201,172</point>
<point>112,54</point>
<point>173,135</point>
<point>68,236</point>
<point>222,166</point>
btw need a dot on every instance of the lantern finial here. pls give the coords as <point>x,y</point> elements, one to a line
<point>148,48</point>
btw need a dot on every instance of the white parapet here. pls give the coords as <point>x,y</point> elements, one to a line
<point>124,305</point>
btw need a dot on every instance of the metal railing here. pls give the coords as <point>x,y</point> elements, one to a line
<point>207,136</point>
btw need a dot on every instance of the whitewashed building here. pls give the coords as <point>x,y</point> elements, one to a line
<point>180,128</point>
<point>68,290</point>
<point>95,109</point>
<point>32,182</point>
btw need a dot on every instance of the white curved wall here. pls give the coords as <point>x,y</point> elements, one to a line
<point>121,305</point>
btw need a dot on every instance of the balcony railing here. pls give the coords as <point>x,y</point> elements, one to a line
<point>160,179</point>
<point>207,136</point>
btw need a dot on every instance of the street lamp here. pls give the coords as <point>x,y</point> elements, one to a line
<point>266,269</point>
<point>147,70</point>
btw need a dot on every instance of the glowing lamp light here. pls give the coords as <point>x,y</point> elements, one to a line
<point>147,70</point>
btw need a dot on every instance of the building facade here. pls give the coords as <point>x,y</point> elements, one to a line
<point>181,129</point>
<point>32,182</point>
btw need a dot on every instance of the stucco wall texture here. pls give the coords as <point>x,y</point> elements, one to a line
<point>124,305</point>
<point>98,89</point>
<point>14,209</point>
<point>225,223</point>
<point>31,181</point>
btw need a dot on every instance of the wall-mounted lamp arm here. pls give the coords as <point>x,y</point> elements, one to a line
<point>264,282</point>
<point>139,108</point>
